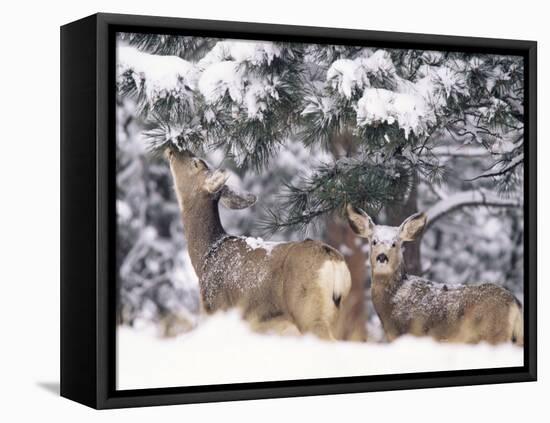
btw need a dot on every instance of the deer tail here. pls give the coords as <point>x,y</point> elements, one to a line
<point>342,282</point>
<point>516,322</point>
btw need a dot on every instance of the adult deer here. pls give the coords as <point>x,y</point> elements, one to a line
<point>287,288</point>
<point>412,305</point>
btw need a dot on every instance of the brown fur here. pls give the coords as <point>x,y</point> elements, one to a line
<point>287,288</point>
<point>413,305</point>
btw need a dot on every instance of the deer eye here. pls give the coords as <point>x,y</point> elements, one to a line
<point>198,163</point>
<point>393,244</point>
<point>374,242</point>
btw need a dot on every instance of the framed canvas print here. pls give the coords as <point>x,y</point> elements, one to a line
<point>255,211</point>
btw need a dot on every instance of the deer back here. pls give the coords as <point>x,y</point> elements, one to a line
<point>447,312</point>
<point>305,280</point>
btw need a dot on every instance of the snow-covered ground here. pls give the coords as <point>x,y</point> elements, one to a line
<point>223,350</point>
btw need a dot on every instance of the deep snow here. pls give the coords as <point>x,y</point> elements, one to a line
<point>223,350</point>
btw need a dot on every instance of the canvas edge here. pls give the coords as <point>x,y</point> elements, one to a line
<point>78,312</point>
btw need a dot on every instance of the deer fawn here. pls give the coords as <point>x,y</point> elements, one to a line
<point>287,288</point>
<point>412,305</point>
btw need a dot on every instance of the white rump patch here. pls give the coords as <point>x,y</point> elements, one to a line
<point>335,279</point>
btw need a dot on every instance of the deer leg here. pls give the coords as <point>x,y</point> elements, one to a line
<point>323,330</point>
<point>279,325</point>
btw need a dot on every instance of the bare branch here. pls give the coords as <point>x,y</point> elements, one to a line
<point>508,167</point>
<point>474,198</point>
<point>460,151</point>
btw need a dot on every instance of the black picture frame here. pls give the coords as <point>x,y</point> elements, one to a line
<point>88,235</point>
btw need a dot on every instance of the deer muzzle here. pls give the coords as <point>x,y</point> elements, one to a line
<point>382,258</point>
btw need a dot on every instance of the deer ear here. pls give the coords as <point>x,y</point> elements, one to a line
<point>359,221</point>
<point>412,227</point>
<point>233,199</point>
<point>215,181</point>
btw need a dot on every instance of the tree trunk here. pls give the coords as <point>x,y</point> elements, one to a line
<point>352,320</point>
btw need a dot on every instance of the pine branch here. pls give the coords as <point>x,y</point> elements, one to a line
<point>362,181</point>
<point>247,98</point>
<point>505,167</point>
<point>472,198</point>
<point>188,48</point>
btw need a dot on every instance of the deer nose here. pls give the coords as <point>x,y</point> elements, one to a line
<point>382,258</point>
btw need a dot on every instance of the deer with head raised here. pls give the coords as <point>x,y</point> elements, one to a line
<point>286,288</point>
<point>413,305</point>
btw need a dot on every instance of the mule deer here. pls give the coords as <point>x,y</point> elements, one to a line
<point>287,288</point>
<point>412,305</point>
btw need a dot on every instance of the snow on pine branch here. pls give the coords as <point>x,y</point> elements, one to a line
<point>225,95</point>
<point>224,70</point>
<point>347,76</point>
<point>378,105</point>
<point>221,71</point>
<point>247,97</point>
<point>469,151</point>
<point>381,96</point>
<point>156,77</point>
<point>250,92</point>
<point>245,71</point>
<point>253,52</point>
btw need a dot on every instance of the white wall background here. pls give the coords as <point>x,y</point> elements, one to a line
<point>29,212</point>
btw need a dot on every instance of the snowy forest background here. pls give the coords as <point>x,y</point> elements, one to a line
<point>308,128</point>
